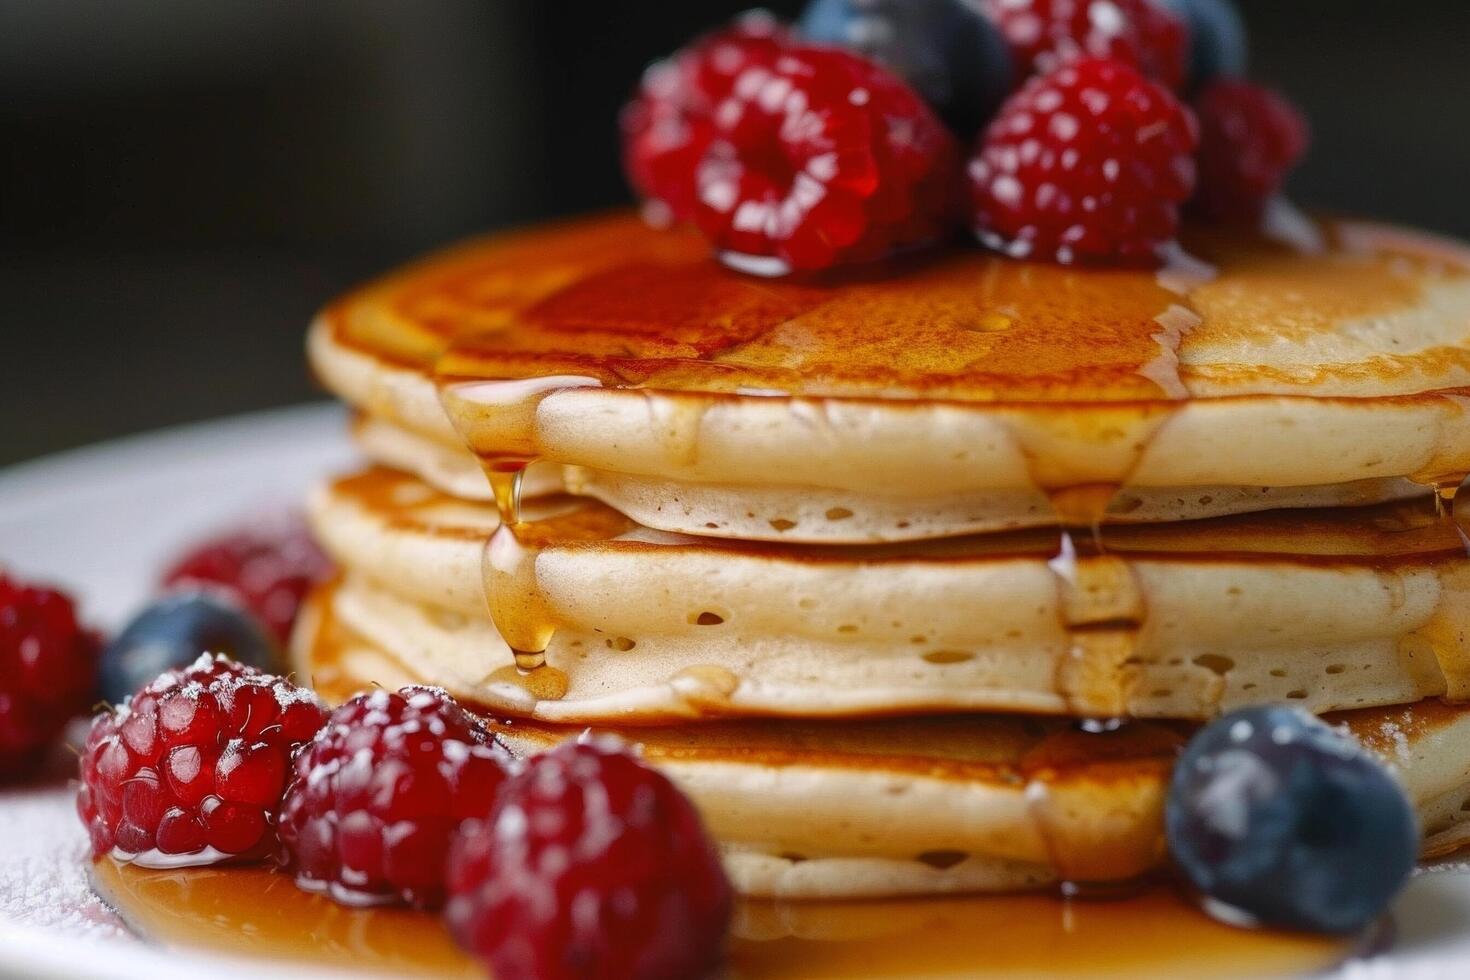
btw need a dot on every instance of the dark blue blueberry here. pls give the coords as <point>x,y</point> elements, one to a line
<point>172,632</point>
<point>945,49</point>
<point>1217,42</point>
<point>1273,814</point>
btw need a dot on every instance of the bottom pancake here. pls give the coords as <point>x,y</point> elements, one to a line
<point>973,803</point>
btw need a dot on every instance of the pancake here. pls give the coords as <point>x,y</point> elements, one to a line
<point>833,516</point>
<point>605,345</point>
<point>935,805</point>
<point>1329,610</point>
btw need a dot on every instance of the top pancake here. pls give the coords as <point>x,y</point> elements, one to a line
<point>1278,366</point>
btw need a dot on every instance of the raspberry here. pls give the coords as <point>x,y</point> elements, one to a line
<point>267,570</point>
<point>379,792</point>
<point>48,666</point>
<point>667,125</point>
<point>1043,34</point>
<point>594,866</point>
<point>1089,163</point>
<point>823,158</point>
<point>191,769</point>
<point>1250,137</point>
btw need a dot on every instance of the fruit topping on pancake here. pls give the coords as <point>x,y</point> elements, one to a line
<point>793,156</point>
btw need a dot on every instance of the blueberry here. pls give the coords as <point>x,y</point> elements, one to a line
<point>1217,42</point>
<point>172,632</point>
<point>946,49</point>
<point>1275,815</point>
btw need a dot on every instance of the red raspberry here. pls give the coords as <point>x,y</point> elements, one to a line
<point>667,125</point>
<point>378,793</point>
<point>594,866</point>
<point>267,570</point>
<point>1043,34</point>
<point>822,158</point>
<point>1089,163</point>
<point>191,769</point>
<point>48,669</point>
<point>1250,137</point>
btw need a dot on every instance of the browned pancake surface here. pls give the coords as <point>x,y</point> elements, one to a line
<point>611,299</point>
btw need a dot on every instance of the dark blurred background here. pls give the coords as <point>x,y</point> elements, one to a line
<point>182,182</point>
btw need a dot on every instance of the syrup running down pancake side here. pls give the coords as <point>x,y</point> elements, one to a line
<point>1323,608</point>
<point>605,346</point>
<point>643,371</point>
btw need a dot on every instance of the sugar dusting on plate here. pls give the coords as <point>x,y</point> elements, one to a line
<point>43,865</point>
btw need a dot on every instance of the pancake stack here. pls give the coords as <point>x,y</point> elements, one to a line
<point>918,578</point>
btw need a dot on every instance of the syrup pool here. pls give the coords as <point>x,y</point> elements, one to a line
<point>257,913</point>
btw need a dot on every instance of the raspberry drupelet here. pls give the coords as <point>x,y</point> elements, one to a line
<point>593,865</point>
<point>191,769</point>
<point>378,794</point>
<point>48,668</point>
<point>1089,164</point>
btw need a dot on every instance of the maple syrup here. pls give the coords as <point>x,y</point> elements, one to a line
<point>258,913</point>
<point>1131,361</point>
<point>1107,854</point>
<point>1102,604</point>
<point>513,597</point>
<point>508,570</point>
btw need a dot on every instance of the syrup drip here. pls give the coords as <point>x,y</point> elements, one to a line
<point>1444,477</point>
<point>1103,609</point>
<point>508,567</point>
<point>1070,773</point>
<point>1445,633</point>
<point>1099,608</point>
<point>1445,490</point>
<point>1101,602</point>
<point>502,415</point>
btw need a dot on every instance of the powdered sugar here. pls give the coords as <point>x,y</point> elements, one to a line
<point>43,865</point>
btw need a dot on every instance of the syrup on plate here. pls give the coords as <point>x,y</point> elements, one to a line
<point>255,912</point>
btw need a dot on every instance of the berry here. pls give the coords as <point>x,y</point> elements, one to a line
<point>47,667</point>
<point>946,49</point>
<point>594,865</point>
<point>268,570</point>
<point>1273,814</point>
<point>1089,163</point>
<point>1250,137</point>
<point>173,632</point>
<point>667,125</point>
<point>191,769</point>
<point>1044,34</point>
<point>378,794</point>
<point>822,158</point>
<point>1217,42</point>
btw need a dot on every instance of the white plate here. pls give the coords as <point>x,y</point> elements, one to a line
<point>102,521</point>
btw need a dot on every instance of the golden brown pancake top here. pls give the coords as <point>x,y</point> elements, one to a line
<point>612,299</point>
